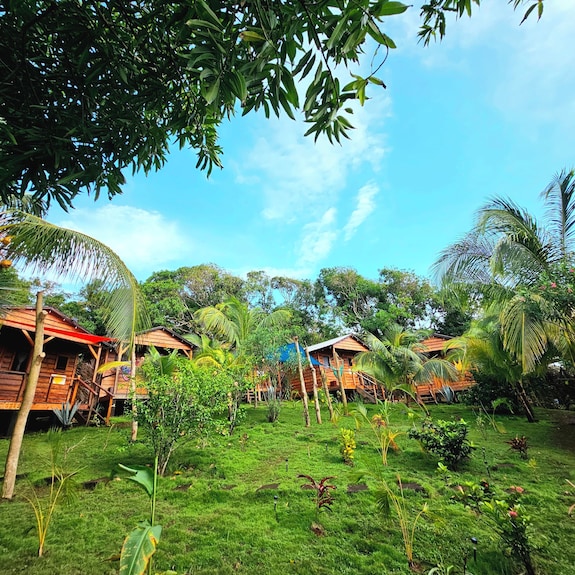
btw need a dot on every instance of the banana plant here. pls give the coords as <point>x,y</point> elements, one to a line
<point>141,542</point>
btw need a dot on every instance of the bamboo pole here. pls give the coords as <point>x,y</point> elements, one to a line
<point>27,401</point>
<point>315,396</point>
<point>302,384</point>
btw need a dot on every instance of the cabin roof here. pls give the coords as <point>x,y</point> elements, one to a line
<point>435,342</point>
<point>57,325</point>
<point>337,341</point>
<point>167,338</point>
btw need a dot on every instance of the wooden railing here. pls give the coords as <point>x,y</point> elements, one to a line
<point>90,395</point>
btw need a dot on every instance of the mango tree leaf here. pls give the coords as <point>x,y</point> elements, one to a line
<point>138,547</point>
<point>141,475</point>
<point>392,8</point>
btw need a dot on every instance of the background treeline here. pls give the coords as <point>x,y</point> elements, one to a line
<point>338,300</point>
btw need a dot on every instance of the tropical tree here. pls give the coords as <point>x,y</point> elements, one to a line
<point>237,323</point>
<point>92,88</point>
<point>525,270</point>
<point>397,360</point>
<point>39,246</point>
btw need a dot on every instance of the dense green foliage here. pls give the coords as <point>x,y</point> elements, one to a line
<point>184,403</point>
<point>447,439</point>
<point>92,88</point>
<point>218,520</point>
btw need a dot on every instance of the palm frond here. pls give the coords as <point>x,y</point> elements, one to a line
<point>524,331</point>
<point>42,247</point>
<point>559,196</point>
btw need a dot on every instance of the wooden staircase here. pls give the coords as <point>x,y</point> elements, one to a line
<point>95,401</point>
<point>368,388</point>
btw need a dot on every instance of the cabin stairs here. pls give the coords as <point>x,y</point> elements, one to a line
<point>368,388</point>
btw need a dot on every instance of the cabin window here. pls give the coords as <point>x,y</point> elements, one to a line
<point>325,360</point>
<point>61,363</point>
<point>20,360</point>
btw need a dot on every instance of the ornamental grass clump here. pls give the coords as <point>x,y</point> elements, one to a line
<point>447,439</point>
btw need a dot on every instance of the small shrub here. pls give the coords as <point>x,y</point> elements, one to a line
<point>472,494</point>
<point>519,444</point>
<point>447,439</point>
<point>347,445</point>
<point>323,497</point>
<point>512,523</point>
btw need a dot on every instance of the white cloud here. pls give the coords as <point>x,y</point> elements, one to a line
<point>317,239</point>
<point>297,177</point>
<point>364,207</point>
<point>145,240</point>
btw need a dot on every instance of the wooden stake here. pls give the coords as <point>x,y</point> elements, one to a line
<point>340,381</point>
<point>315,396</point>
<point>302,384</point>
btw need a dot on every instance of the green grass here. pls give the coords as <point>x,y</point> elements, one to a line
<point>217,520</point>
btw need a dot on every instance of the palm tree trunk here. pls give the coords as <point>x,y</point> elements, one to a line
<point>27,401</point>
<point>133,390</point>
<point>524,400</point>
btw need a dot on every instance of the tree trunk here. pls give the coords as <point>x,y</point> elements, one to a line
<point>134,435</point>
<point>13,456</point>
<point>302,385</point>
<point>315,396</point>
<point>524,400</point>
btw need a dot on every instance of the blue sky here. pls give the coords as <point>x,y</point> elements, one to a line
<point>488,111</point>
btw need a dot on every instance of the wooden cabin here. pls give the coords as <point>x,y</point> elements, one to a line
<point>116,381</point>
<point>332,360</point>
<point>435,346</point>
<point>67,346</point>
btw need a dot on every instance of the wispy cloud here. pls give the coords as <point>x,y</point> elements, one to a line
<point>364,207</point>
<point>145,240</point>
<point>297,177</point>
<point>317,239</point>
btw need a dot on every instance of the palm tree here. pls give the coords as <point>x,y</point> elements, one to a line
<point>235,322</point>
<point>34,244</point>
<point>524,269</point>
<point>397,360</point>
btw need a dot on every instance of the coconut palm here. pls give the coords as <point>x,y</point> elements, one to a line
<point>235,322</point>
<point>524,269</point>
<point>33,244</point>
<point>397,360</point>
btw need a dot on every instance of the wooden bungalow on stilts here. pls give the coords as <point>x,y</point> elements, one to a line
<point>68,369</point>
<point>431,391</point>
<point>333,363</point>
<point>116,382</point>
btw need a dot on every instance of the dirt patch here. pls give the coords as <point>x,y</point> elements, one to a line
<point>413,486</point>
<point>268,486</point>
<point>93,483</point>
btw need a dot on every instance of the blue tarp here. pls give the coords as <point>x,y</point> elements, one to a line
<point>287,351</point>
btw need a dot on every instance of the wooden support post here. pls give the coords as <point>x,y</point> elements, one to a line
<point>339,378</point>
<point>315,396</point>
<point>302,384</point>
<point>27,401</point>
<point>326,391</point>
<point>133,392</point>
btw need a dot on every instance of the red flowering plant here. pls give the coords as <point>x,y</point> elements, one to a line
<point>557,284</point>
<point>512,523</point>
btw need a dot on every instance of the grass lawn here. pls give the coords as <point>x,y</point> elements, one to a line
<point>219,516</point>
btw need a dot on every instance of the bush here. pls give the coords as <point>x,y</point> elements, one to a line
<point>447,439</point>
